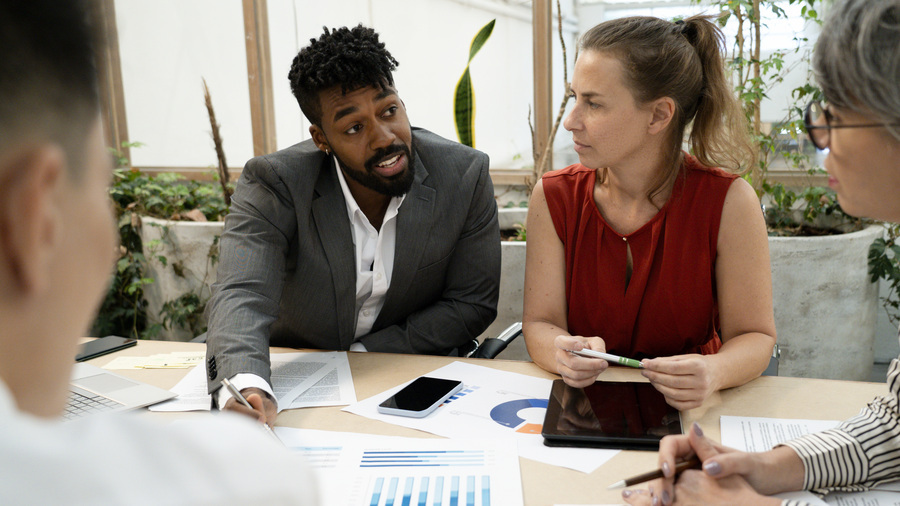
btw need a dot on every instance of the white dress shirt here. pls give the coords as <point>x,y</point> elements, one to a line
<point>123,459</point>
<point>374,261</point>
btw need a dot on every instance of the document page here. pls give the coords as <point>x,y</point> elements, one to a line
<point>192,394</point>
<point>869,498</point>
<point>367,469</point>
<point>303,379</point>
<point>307,379</point>
<point>756,434</point>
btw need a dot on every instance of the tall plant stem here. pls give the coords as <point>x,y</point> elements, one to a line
<point>217,141</point>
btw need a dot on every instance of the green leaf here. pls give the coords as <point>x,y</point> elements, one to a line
<point>464,95</point>
<point>480,38</point>
<point>464,110</point>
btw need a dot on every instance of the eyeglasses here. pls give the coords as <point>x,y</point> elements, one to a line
<point>817,120</point>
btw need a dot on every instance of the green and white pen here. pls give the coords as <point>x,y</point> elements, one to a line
<point>615,359</point>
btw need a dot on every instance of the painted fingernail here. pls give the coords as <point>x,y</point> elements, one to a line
<point>697,430</point>
<point>667,471</point>
<point>626,493</point>
<point>655,501</point>
<point>667,500</point>
<point>712,468</point>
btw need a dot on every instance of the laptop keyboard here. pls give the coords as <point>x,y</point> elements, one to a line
<point>81,404</point>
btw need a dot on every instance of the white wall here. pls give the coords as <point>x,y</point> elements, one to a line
<point>167,45</point>
<point>777,34</point>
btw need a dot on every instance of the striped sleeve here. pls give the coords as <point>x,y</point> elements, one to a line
<point>862,452</point>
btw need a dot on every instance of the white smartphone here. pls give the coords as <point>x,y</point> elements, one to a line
<point>420,397</point>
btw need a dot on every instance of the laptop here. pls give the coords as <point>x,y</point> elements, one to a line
<point>95,390</point>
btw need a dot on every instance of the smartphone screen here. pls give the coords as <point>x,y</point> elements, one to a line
<point>102,346</point>
<point>420,397</point>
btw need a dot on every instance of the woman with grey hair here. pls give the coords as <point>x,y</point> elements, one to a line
<point>857,64</point>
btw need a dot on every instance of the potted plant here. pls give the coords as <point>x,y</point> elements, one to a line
<point>169,229</point>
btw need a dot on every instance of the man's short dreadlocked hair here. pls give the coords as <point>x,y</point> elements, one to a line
<point>352,58</point>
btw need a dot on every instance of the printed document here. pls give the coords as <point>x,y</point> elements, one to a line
<point>756,434</point>
<point>357,468</point>
<point>302,379</point>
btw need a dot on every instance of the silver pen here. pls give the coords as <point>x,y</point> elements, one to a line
<point>240,398</point>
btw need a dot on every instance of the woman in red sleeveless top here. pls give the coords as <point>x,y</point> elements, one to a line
<point>643,250</point>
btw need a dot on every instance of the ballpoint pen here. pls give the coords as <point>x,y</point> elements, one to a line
<point>691,463</point>
<point>240,398</point>
<point>615,359</point>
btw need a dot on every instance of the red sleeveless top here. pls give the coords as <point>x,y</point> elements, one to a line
<point>669,307</point>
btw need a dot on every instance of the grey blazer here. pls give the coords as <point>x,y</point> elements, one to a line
<point>286,275</point>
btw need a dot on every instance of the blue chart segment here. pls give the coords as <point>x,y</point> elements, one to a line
<point>462,393</point>
<point>437,458</point>
<point>507,413</point>
<point>469,490</point>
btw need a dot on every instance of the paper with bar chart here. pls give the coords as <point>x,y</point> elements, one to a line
<point>362,469</point>
<point>492,404</point>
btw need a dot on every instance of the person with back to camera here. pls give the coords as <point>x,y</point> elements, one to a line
<point>643,250</point>
<point>57,241</point>
<point>857,65</point>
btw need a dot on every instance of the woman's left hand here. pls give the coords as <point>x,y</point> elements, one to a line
<point>685,380</point>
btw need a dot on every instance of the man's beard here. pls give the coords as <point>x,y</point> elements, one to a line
<point>393,186</point>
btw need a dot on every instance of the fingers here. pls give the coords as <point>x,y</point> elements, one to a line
<point>685,380</point>
<point>702,446</point>
<point>718,461</point>
<point>639,497</point>
<point>577,343</point>
<point>728,464</point>
<point>672,449</point>
<point>263,405</point>
<point>236,407</point>
<point>262,408</point>
<point>579,371</point>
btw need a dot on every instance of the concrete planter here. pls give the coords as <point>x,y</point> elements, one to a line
<point>509,306</point>
<point>825,306</point>
<point>189,267</point>
<point>509,217</point>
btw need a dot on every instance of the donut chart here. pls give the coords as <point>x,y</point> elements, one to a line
<point>507,414</point>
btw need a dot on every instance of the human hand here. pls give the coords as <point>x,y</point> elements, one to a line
<point>685,380</point>
<point>264,409</point>
<point>579,371</point>
<point>743,476</point>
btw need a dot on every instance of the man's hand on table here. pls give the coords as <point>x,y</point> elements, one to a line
<point>264,408</point>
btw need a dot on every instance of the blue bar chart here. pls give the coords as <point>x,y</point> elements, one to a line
<point>369,470</point>
<point>393,488</point>
<point>440,490</point>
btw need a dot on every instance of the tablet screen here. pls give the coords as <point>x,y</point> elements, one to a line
<point>606,414</point>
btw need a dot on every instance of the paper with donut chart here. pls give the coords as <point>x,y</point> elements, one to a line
<point>492,404</point>
<point>355,468</point>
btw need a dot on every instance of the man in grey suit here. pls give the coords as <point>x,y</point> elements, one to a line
<point>373,235</point>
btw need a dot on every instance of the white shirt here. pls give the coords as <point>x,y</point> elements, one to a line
<point>374,255</point>
<point>121,459</point>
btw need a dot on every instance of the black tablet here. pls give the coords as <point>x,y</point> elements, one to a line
<point>607,414</point>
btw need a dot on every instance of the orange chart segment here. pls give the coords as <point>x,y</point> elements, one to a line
<point>530,428</point>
